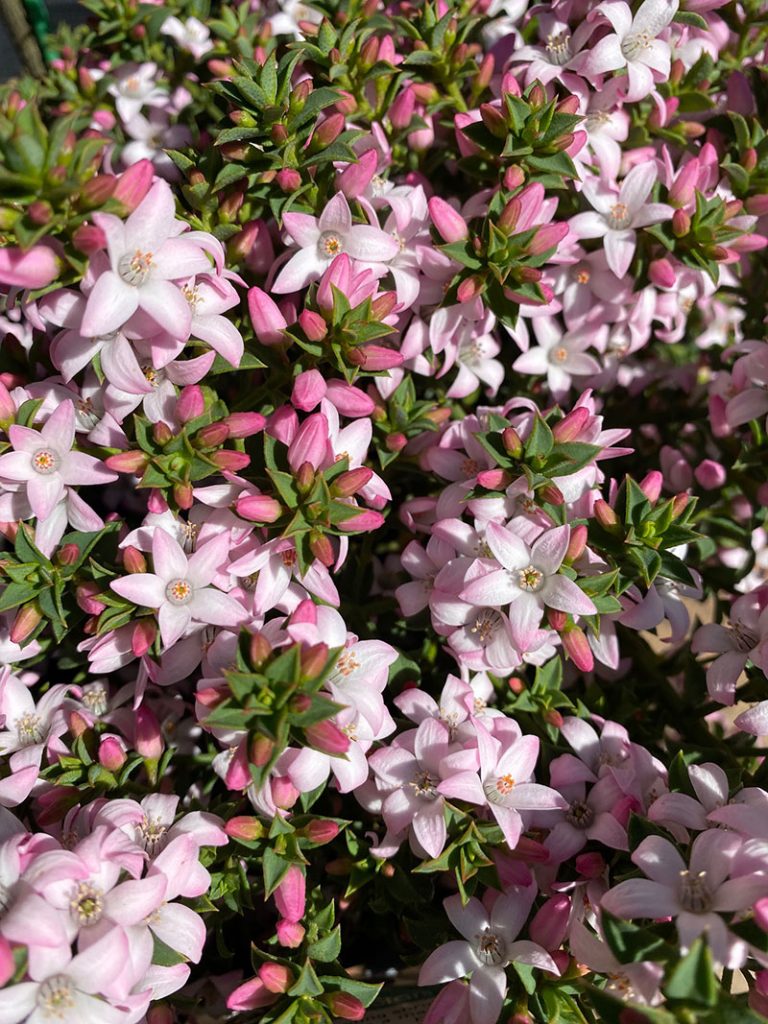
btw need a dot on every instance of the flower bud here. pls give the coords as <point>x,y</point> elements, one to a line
<point>246,827</point>
<point>230,461</point>
<point>557,619</point>
<point>149,738</point>
<point>258,508</point>
<point>308,389</point>
<point>345,1006</point>
<point>291,894</point>
<point>327,737</point>
<point>651,485</point>
<point>681,223</point>
<point>26,621</point>
<point>310,445</point>
<point>276,977</point>
<point>212,436</point>
<point>244,424</point>
<point>288,179</point>
<point>86,597</point>
<point>395,442</point>
<point>550,923</point>
<point>183,494</point>
<point>571,426</point>
<point>450,225</point>
<point>551,493</point>
<point>313,661</point>
<point>590,865</point>
<point>160,1013</point>
<point>494,479</point>
<point>68,554</point>
<point>268,322</point>
<point>321,831</point>
<point>143,636</point>
<point>514,177</point>
<point>576,544</point>
<point>133,559</point>
<point>683,189</point>
<point>363,522</point>
<point>112,752</point>
<point>260,752</point>
<point>577,648</point>
<point>290,934</point>
<point>321,547</point>
<point>313,325</point>
<point>260,651</point>
<point>402,109</point>
<point>134,184</point>
<point>327,132</point>
<point>512,442</point>
<point>374,358</point>
<point>350,482</point>
<point>190,403</point>
<point>662,273</point>
<point>760,911</point>
<point>710,475</point>
<point>605,515</point>
<point>553,717</point>
<point>128,462</point>
<point>284,793</point>
<point>251,995</point>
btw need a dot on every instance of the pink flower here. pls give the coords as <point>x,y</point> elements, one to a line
<point>145,256</point>
<point>28,268</point>
<point>487,948</point>
<point>734,644</point>
<point>695,895</point>
<point>44,461</point>
<point>560,354</point>
<point>529,578</point>
<point>179,590</point>
<point>618,213</point>
<point>322,239</point>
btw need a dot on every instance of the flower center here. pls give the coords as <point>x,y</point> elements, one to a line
<point>580,815</point>
<point>469,468</point>
<point>192,295</point>
<point>491,948</point>
<point>45,461</point>
<point>558,355</point>
<point>530,579</point>
<point>86,903</point>
<point>485,625</point>
<point>743,640</point>
<point>288,558</point>
<point>559,47</point>
<point>134,268</point>
<point>96,700</point>
<point>179,592</point>
<point>152,835</point>
<point>29,729</point>
<point>55,996</point>
<point>424,785</point>
<point>583,277</point>
<point>329,245</point>
<point>619,218</point>
<point>633,46</point>
<point>694,894</point>
<point>347,664</point>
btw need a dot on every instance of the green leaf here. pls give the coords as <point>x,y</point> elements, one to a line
<point>540,442</point>
<point>630,943</point>
<point>693,979</point>
<point>16,594</point>
<point>164,956</point>
<point>307,984</point>
<point>327,949</point>
<point>275,869</point>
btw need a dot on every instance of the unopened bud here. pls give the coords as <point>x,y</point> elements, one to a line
<point>258,508</point>
<point>245,827</point>
<point>577,648</point>
<point>321,831</point>
<point>350,482</point>
<point>260,649</point>
<point>112,753</point>
<point>605,515</point>
<point>551,493</point>
<point>133,559</point>
<point>27,619</point>
<point>244,424</point>
<point>212,436</point>
<point>576,544</point>
<point>681,223</point>
<point>276,977</point>
<point>553,717</point>
<point>321,547</point>
<point>190,403</point>
<point>512,442</point>
<point>68,554</point>
<point>149,736</point>
<point>183,494</point>
<point>345,1006</point>
<point>260,751</point>
<point>314,660</point>
<point>128,462</point>
<point>327,737</point>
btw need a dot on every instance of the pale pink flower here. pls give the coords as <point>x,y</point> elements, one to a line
<point>561,354</point>
<point>190,35</point>
<point>322,239</point>
<point>487,948</point>
<point>734,644</point>
<point>44,461</point>
<point>617,214</point>
<point>179,589</point>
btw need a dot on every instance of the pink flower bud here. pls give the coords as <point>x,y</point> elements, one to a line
<point>143,636</point>
<point>605,515</point>
<point>288,179</point>
<point>681,223</point>
<point>557,619</point>
<point>190,404</point>
<point>550,923</point>
<point>327,131</point>
<point>547,237</point>
<point>662,273</point>
<point>349,400</point>
<point>651,485</point>
<point>89,239</point>
<point>229,460</point>
<point>284,793</point>
<point>345,1006</point>
<point>133,559</point>
<point>244,424</point>
<point>570,427</point>
<point>68,554</point>
<point>148,735</point>
<point>27,619</point>
<point>128,462</point>
<point>133,184</point>
<point>86,597</point>
<point>402,109</point>
<point>112,753</point>
<point>313,325</point>
<point>310,443</point>
<point>7,963</point>
<point>450,225</point>
<point>31,268</point>
<point>327,737</point>
<point>350,482</point>
<point>321,832</point>
<point>375,358</point>
<point>494,479</point>
<point>252,995</point>
<point>590,865</point>
<point>355,178</point>
<point>258,508</point>
<point>363,523</point>
<point>577,648</point>
<point>577,543</point>
<point>757,206</point>
<point>276,977</point>
<point>308,389</point>
<point>268,322</point>
<point>212,436</point>
<point>710,474</point>
<point>683,188</point>
<point>246,827</point>
<point>290,934</point>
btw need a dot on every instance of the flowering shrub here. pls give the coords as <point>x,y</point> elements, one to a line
<point>383,403</point>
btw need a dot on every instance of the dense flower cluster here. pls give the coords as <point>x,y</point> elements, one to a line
<point>383,410</point>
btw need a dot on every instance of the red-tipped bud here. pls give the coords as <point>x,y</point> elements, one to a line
<point>268,322</point>
<point>183,494</point>
<point>327,132</point>
<point>258,508</point>
<point>313,325</point>
<point>551,493</point>
<point>571,426</point>
<point>27,619</point>
<point>244,424</point>
<point>577,648</point>
<point>662,273</point>
<point>402,109</point>
<point>321,831</point>
<point>395,442</point>
<point>494,120</point>
<point>143,636</point>
<point>88,239</point>
<point>345,1006</point>
<point>557,619</point>
<point>229,460</point>
<point>605,515</point>
<point>190,403</point>
<point>350,482</point>
<point>161,433</point>
<point>651,485</point>
<point>514,177</point>
<point>260,753</point>
<point>313,661</point>
<point>553,717</point>
<point>212,436</point>
<point>327,737</point>
<point>288,179</point>
<point>681,223</point>
<point>133,184</point>
<point>112,753</point>
<point>133,559</point>
<point>290,934</point>
<point>494,479</point>
<point>512,442</point>
<point>374,358</point>
<point>363,522</point>
<point>260,650</point>
<point>68,554</point>
<point>86,597</point>
<point>276,977</point>
<point>246,827</point>
<point>577,543</point>
<point>680,504</point>
<point>149,737</point>
<point>128,462</point>
<point>321,547</point>
<point>590,865</point>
